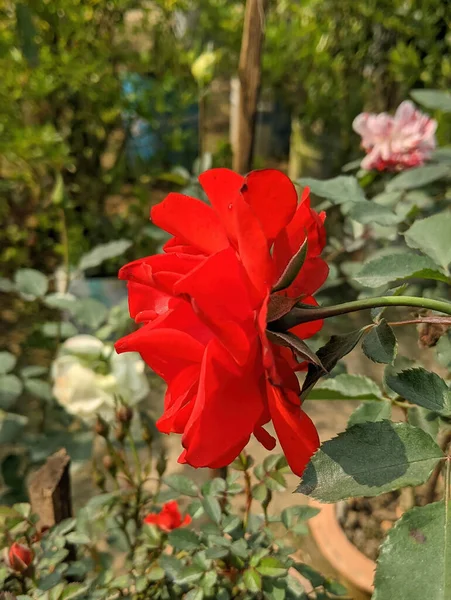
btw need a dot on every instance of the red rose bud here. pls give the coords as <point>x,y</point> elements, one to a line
<point>168,518</point>
<point>19,557</point>
<point>204,309</point>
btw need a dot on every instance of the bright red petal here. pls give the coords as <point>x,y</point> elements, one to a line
<point>192,221</point>
<point>265,438</point>
<point>273,199</point>
<point>226,411</point>
<point>253,250</point>
<point>222,187</point>
<point>295,430</point>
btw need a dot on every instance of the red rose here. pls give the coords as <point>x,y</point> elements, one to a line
<point>168,518</point>
<point>204,307</point>
<point>19,557</point>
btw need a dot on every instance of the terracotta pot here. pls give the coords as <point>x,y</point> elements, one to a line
<point>343,556</point>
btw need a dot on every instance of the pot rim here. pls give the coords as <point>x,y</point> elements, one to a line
<point>336,548</point>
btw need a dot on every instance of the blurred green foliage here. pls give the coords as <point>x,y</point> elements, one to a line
<point>64,113</point>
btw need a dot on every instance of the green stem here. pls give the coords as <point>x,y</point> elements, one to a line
<point>304,315</point>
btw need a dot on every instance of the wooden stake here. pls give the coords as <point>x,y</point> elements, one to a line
<point>49,490</point>
<point>249,72</point>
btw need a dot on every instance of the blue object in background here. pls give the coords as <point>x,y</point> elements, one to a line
<point>149,137</point>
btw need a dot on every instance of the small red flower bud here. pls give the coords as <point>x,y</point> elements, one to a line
<point>168,518</point>
<point>19,557</point>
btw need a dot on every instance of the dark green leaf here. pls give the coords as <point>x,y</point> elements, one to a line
<point>343,188</point>
<point>73,591</point>
<point>315,578</point>
<point>184,539</point>
<point>432,237</point>
<point>421,387</point>
<point>298,346</point>
<point>189,575</point>
<point>346,387</point>
<point>212,508</point>
<point>155,574</point>
<point>370,411</point>
<point>335,588</point>
<point>11,426</point>
<point>336,348</point>
<point>31,282</point>
<point>380,344</point>
<point>369,459</point>
<point>418,177</point>
<point>292,269</point>
<point>182,484</point>
<point>396,267</point>
<point>414,560</point>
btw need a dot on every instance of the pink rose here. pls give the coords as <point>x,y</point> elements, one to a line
<point>396,143</point>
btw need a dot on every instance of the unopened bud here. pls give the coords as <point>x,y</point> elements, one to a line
<point>124,414</point>
<point>19,557</point>
<point>101,427</point>
<point>146,434</point>
<point>161,463</point>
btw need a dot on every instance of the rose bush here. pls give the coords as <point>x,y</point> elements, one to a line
<point>204,307</point>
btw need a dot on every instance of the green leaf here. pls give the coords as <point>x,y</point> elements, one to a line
<point>298,346</point>
<point>73,590</point>
<point>40,389</point>
<point>432,236</point>
<point>370,411</point>
<point>194,594</point>
<point>252,580</point>
<point>369,212</point>
<point>54,330</point>
<point>7,362</point>
<point>77,538</point>
<point>396,267</point>
<point>260,492</point>
<point>212,508</point>
<point>60,301</point>
<point>292,514</point>
<point>415,558</point>
<point>336,348</point>
<point>315,578</point>
<point>343,188</point>
<point>90,312</point>
<point>10,389</point>
<point>189,575</point>
<point>380,344</point>
<point>31,282</point>
<point>57,195</point>
<point>292,269</point>
<point>6,285</point>
<point>421,387</point>
<point>425,420</point>
<point>182,484</point>
<point>33,371</point>
<point>369,459</point>
<point>418,177</point>
<point>99,254</point>
<point>184,539</point>
<point>11,427</point>
<point>271,567</point>
<point>346,387</point>
<point>433,99</point>
<point>155,574</point>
